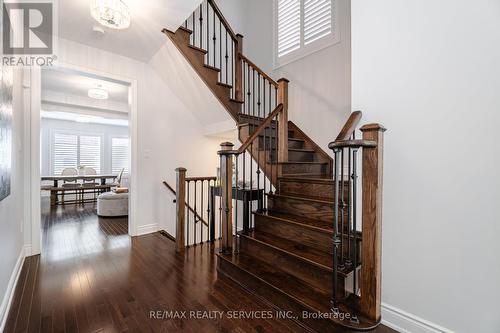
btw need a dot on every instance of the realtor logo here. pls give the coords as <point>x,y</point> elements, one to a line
<point>28,32</point>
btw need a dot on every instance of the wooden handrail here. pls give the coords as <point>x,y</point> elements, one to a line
<point>223,20</point>
<point>352,144</point>
<point>260,71</point>
<point>260,129</point>
<point>197,179</point>
<point>187,204</point>
<point>349,127</point>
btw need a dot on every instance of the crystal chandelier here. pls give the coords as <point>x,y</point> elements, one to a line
<point>111,13</point>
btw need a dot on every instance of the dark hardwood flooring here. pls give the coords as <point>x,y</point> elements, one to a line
<point>92,277</point>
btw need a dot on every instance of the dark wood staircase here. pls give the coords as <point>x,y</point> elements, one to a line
<point>285,257</point>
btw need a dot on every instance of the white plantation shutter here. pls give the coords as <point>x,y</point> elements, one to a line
<point>301,23</point>
<point>90,152</point>
<point>119,155</point>
<point>288,26</point>
<point>317,19</point>
<point>64,152</point>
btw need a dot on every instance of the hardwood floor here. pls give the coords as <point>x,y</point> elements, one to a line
<point>92,277</point>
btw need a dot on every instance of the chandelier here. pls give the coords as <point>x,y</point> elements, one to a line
<point>111,13</point>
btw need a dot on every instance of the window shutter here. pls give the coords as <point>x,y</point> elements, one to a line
<point>90,152</point>
<point>65,152</point>
<point>119,155</point>
<point>288,26</point>
<point>317,19</point>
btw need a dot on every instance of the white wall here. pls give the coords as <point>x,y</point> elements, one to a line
<point>168,134</point>
<point>320,83</point>
<point>12,207</point>
<point>430,72</point>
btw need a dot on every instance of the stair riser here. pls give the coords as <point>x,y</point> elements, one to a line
<point>321,240</point>
<point>302,208</point>
<point>296,144</point>
<point>275,297</point>
<point>320,189</point>
<point>298,156</point>
<point>318,277</point>
<point>303,169</point>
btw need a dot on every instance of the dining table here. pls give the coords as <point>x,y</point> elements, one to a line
<point>57,187</point>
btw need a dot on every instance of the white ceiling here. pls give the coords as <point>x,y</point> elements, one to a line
<point>77,84</point>
<point>140,41</point>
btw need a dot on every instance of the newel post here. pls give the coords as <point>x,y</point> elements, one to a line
<point>238,68</point>
<point>371,250</point>
<point>283,120</point>
<point>226,185</point>
<point>180,199</point>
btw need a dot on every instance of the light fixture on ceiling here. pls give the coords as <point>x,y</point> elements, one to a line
<point>111,13</point>
<point>98,93</point>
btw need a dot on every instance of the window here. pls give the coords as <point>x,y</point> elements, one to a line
<point>119,155</point>
<point>73,150</point>
<point>303,27</point>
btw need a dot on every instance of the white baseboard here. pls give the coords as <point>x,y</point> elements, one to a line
<point>405,322</point>
<point>11,287</point>
<point>147,229</point>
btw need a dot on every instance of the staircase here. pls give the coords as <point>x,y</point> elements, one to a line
<point>286,255</point>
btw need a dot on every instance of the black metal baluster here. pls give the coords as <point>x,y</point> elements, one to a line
<point>244,87</point>
<point>201,210</point>
<point>201,29</point>
<point>232,68</point>
<point>209,201</point>
<point>253,89</point>
<point>265,167</point>
<point>236,202</point>
<point>264,102</point>
<point>227,59</point>
<point>349,209</point>
<point>354,222</point>
<point>251,182</point>
<point>214,38</point>
<point>258,94</point>
<point>335,240</point>
<point>248,94</point>
<point>196,219</point>
<point>342,209</point>
<point>194,28</point>
<point>220,50</point>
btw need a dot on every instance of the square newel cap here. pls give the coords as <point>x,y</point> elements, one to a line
<point>374,127</point>
<point>283,80</point>
<point>226,149</point>
<point>181,169</point>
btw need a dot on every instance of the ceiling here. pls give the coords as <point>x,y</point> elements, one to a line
<point>77,84</point>
<point>140,41</point>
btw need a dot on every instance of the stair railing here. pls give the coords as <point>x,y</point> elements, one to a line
<point>212,33</point>
<point>357,243</point>
<point>237,180</point>
<point>196,221</point>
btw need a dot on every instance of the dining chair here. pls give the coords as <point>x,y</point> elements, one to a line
<point>69,183</point>
<point>89,183</point>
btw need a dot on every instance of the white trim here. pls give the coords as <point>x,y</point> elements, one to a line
<point>27,250</point>
<point>11,288</point>
<point>35,129</point>
<point>331,39</point>
<point>147,229</point>
<point>405,322</point>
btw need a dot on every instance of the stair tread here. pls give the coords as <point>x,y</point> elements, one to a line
<point>211,67</point>
<point>298,162</point>
<point>197,48</point>
<point>306,222</point>
<point>309,178</point>
<point>296,249</point>
<point>236,101</point>
<point>186,29</point>
<point>294,287</point>
<point>225,85</point>
<point>302,150</point>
